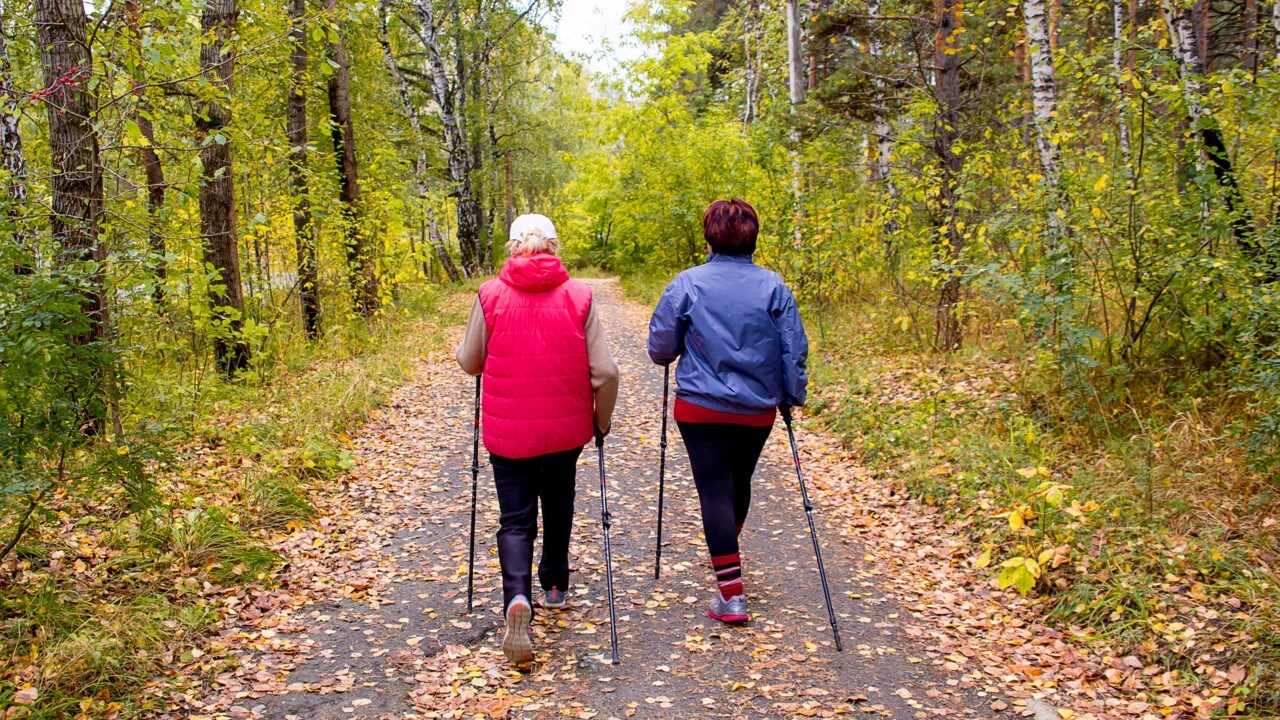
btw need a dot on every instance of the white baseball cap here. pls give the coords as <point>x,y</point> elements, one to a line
<point>525,223</point>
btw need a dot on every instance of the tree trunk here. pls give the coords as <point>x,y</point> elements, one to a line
<point>510,180</point>
<point>881,170</point>
<point>458,171</point>
<point>1184,46</point>
<point>217,188</point>
<point>1200,17</point>
<point>796,90</point>
<point>360,256</point>
<point>1122,86</point>
<point>420,165</point>
<point>1054,26</point>
<point>1044,91</point>
<point>76,184</point>
<point>1275,25</point>
<point>1249,58</point>
<point>14,162</point>
<point>751,68</point>
<point>150,159</point>
<point>296,130</point>
<point>947,329</point>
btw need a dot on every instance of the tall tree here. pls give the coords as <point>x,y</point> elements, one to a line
<point>881,167</point>
<point>1122,86</point>
<point>456,141</point>
<point>946,86</point>
<point>1249,57</point>
<point>751,49</point>
<point>797,84</point>
<point>420,166</point>
<point>217,187</point>
<point>1044,108</point>
<point>1188,53</point>
<point>12,158</point>
<point>296,129</point>
<point>360,254</point>
<point>71,106</point>
<point>151,166</point>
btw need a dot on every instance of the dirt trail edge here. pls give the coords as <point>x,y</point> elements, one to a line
<point>369,619</point>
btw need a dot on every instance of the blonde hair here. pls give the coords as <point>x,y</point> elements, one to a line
<point>532,242</point>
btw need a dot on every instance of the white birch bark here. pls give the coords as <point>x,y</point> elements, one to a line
<point>1182,43</point>
<point>420,165</point>
<point>796,86</point>
<point>750,23</point>
<point>455,137</point>
<point>1182,38</point>
<point>1117,62</point>
<point>12,157</point>
<point>1044,91</point>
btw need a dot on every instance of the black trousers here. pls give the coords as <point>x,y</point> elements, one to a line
<point>723,458</point>
<point>521,484</point>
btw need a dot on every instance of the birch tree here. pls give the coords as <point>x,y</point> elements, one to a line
<point>1122,89</point>
<point>797,83</point>
<point>1044,90</point>
<point>1185,51</point>
<point>456,141</point>
<point>420,166</point>
<point>12,158</point>
<point>217,187</point>
<point>881,168</point>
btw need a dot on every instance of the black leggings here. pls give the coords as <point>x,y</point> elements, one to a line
<point>723,458</point>
<point>520,485</point>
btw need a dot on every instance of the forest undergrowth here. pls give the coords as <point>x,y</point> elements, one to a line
<point>103,602</point>
<point>1140,526</point>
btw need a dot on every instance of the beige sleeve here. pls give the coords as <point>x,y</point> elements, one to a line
<point>473,349</point>
<point>604,371</point>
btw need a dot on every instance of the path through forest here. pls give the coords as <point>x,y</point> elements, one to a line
<point>369,620</point>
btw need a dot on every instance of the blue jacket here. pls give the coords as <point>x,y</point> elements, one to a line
<point>737,332</point>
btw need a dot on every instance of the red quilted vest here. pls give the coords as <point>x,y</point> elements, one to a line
<point>537,380</point>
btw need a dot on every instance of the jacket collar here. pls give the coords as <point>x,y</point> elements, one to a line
<point>743,259</point>
<point>534,273</point>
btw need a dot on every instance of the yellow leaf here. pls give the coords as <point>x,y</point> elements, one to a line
<point>1015,520</point>
<point>982,560</point>
<point>1027,472</point>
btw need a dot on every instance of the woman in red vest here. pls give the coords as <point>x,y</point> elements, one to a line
<point>550,385</point>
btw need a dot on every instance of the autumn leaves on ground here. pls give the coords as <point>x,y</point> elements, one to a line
<point>367,616</point>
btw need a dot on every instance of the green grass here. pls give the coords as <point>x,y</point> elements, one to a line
<point>646,286</point>
<point>1156,520</point>
<point>107,599</point>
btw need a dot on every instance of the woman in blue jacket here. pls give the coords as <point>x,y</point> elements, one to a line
<point>742,349</point>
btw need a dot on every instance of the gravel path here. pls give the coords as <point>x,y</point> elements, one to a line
<point>370,619</point>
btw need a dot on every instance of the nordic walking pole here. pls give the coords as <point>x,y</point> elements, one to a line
<point>608,552</point>
<point>475,478</point>
<point>813,532</point>
<point>662,469</point>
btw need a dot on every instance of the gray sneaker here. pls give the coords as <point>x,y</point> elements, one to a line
<point>516,644</point>
<point>555,599</point>
<point>732,611</point>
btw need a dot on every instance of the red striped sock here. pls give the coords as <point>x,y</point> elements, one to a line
<point>728,570</point>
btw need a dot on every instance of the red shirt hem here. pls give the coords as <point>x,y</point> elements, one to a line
<point>687,412</point>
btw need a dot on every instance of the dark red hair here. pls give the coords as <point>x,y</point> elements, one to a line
<point>731,227</point>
